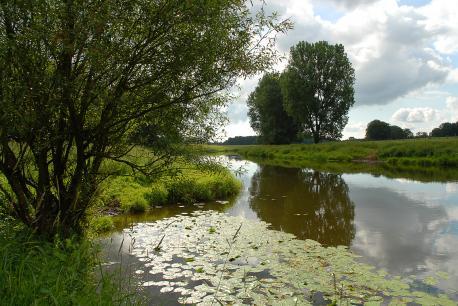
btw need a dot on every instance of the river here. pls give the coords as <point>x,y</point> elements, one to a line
<point>405,227</point>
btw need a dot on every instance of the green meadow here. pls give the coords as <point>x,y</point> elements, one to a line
<point>421,152</point>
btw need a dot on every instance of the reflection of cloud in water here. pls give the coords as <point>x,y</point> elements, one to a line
<point>403,226</point>
<point>451,187</point>
<point>396,227</point>
<point>429,194</point>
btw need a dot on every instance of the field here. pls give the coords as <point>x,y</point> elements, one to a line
<point>425,158</point>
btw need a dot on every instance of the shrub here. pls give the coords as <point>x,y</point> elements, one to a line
<point>158,195</point>
<point>101,224</point>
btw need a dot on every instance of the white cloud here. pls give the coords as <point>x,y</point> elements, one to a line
<point>357,130</point>
<point>397,51</point>
<point>416,115</point>
<point>452,108</point>
<point>388,44</point>
<point>241,128</point>
<point>441,19</point>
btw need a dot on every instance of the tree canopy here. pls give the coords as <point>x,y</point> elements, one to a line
<point>380,130</point>
<point>267,115</point>
<point>318,88</point>
<point>445,129</point>
<point>79,78</point>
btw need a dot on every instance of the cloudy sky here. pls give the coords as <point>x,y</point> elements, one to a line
<point>405,53</point>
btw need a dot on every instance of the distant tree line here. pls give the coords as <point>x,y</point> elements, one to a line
<point>241,140</point>
<point>445,129</point>
<point>312,96</point>
<point>380,130</point>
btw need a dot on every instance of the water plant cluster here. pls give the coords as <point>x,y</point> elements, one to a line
<point>209,258</point>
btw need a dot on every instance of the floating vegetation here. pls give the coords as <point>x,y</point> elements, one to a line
<point>231,260</point>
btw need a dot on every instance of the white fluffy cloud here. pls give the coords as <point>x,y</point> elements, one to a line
<point>356,130</point>
<point>452,107</point>
<point>397,50</point>
<point>442,16</point>
<point>390,46</point>
<point>416,115</point>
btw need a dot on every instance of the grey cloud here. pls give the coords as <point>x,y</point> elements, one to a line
<point>404,63</point>
<point>349,4</point>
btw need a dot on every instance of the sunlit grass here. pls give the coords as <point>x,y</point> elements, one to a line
<point>424,152</point>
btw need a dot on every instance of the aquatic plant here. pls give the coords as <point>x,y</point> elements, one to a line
<point>264,266</point>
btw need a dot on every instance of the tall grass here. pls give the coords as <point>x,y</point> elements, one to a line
<point>37,272</point>
<point>429,152</point>
<point>137,194</point>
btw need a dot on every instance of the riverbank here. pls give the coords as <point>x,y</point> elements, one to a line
<point>184,183</point>
<point>34,271</point>
<point>406,154</point>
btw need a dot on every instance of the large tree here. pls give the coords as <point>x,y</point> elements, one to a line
<point>380,130</point>
<point>267,115</point>
<point>318,88</point>
<point>78,77</point>
<point>445,129</point>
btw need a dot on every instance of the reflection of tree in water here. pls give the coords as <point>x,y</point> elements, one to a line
<point>308,204</point>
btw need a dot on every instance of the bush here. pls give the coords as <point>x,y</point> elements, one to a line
<point>158,195</point>
<point>101,224</point>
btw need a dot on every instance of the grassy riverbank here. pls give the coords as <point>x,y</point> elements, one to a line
<point>425,152</point>
<point>137,193</point>
<point>34,271</point>
<point>37,272</point>
<point>184,182</point>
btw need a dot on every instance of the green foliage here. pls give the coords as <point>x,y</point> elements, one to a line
<point>379,130</point>
<point>192,185</point>
<point>101,224</point>
<point>446,129</point>
<point>36,272</point>
<point>81,80</point>
<point>267,116</point>
<point>420,158</point>
<point>318,89</point>
<point>241,140</point>
<point>158,195</point>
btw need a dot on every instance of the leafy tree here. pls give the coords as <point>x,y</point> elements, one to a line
<point>78,78</point>
<point>378,130</point>
<point>421,135</point>
<point>318,88</point>
<point>408,133</point>
<point>445,129</point>
<point>396,132</point>
<point>267,116</point>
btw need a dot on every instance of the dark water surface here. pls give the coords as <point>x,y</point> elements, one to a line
<point>403,226</point>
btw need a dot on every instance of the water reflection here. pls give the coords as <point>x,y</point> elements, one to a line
<point>309,204</point>
<point>403,226</point>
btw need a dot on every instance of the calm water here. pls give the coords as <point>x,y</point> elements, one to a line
<point>402,226</point>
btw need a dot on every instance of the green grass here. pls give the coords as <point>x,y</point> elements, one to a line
<point>184,183</point>
<point>37,272</point>
<point>429,152</point>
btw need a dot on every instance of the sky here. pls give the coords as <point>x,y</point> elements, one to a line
<point>404,52</point>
